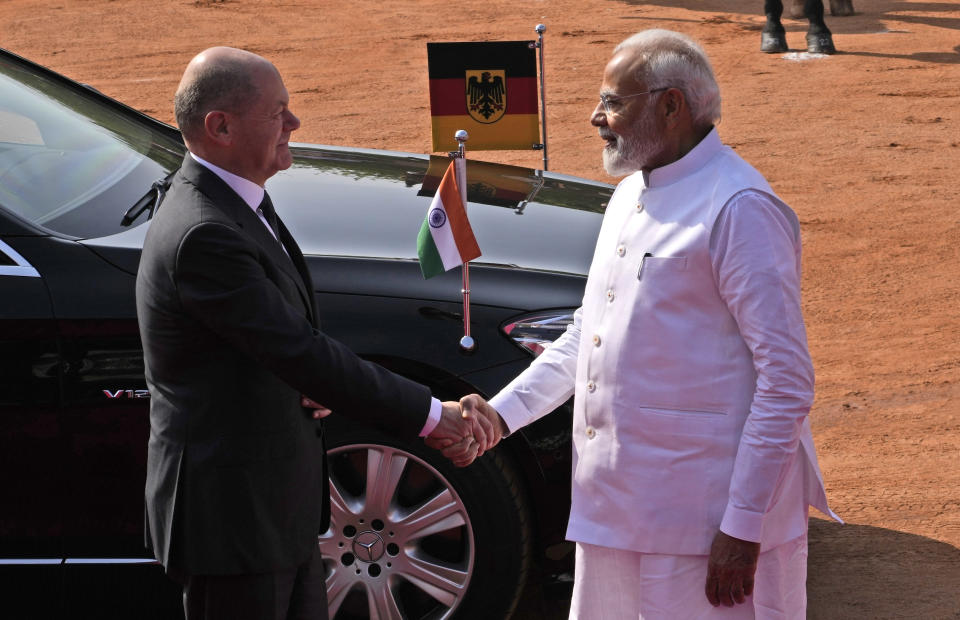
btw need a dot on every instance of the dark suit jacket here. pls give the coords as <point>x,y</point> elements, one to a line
<point>235,466</point>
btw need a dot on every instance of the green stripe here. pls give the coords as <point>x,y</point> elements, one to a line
<point>430,262</point>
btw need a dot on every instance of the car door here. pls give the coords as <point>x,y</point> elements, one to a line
<point>31,434</point>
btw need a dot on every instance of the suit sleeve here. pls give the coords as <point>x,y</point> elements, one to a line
<point>222,284</point>
<point>755,249</point>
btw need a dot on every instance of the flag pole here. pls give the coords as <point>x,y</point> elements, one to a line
<point>543,100</point>
<point>467,344</point>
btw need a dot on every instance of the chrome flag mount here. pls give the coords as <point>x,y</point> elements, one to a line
<point>446,238</point>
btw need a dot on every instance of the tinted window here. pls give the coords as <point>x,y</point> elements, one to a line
<point>69,162</point>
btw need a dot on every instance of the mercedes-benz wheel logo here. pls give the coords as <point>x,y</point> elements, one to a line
<point>368,546</point>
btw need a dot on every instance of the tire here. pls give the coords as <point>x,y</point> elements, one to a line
<point>431,541</point>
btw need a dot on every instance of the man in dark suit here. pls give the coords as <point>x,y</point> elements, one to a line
<point>236,490</point>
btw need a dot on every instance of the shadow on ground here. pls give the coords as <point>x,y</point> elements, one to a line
<point>886,556</point>
<point>836,552</point>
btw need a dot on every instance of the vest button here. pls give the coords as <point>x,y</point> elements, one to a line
<point>591,386</point>
<point>621,250</point>
<point>596,340</point>
<point>610,295</point>
<point>591,432</point>
<point>639,207</point>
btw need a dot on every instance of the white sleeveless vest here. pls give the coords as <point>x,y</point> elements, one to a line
<point>664,379</point>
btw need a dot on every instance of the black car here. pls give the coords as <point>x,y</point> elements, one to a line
<point>80,176</point>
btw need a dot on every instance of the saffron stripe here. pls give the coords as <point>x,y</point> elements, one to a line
<point>457,215</point>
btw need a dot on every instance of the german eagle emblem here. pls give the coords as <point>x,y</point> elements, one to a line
<point>486,95</point>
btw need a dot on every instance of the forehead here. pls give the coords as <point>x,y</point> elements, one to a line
<point>270,86</point>
<point>619,74</point>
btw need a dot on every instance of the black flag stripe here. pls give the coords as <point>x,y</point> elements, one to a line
<point>451,60</point>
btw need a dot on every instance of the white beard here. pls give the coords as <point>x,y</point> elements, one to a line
<point>635,152</point>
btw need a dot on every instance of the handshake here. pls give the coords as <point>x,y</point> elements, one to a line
<point>466,430</point>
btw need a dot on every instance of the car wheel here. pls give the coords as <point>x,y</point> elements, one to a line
<point>411,536</point>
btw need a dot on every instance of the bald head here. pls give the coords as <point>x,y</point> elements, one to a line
<point>220,78</point>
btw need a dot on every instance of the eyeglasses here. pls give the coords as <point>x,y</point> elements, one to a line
<point>611,103</point>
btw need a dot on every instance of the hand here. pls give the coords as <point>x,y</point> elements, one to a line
<point>475,408</point>
<point>469,435</point>
<point>319,411</point>
<point>730,570</point>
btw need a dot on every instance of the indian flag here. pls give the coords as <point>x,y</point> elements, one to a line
<point>446,239</point>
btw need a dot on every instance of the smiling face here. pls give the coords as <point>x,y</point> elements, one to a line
<point>629,123</point>
<point>262,130</point>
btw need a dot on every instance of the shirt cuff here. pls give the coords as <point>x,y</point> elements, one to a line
<point>514,413</point>
<point>743,524</point>
<point>433,418</point>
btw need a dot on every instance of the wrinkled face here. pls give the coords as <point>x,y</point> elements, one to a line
<point>263,129</point>
<point>628,122</point>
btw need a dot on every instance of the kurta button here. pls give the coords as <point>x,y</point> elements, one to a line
<point>596,340</point>
<point>591,386</point>
<point>639,206</point>
<point>621,250</point>
<point>591,432</point>
<point>610,295</point>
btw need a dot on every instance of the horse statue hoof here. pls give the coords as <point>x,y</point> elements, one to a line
<point>773,42</point>
<point>841,8</point>
<point>820,43</point>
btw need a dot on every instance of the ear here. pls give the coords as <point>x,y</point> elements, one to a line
<point>216,126</point>
<point>674,106</point>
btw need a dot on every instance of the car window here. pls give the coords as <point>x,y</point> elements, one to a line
<point>68,161</point>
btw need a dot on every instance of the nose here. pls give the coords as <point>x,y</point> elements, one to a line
<point>599,116</point>
<point>291,122</point>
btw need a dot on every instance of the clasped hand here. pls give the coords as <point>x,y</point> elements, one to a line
<point>466,430</point>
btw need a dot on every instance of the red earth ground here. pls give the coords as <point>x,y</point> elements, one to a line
<point>861,144</point>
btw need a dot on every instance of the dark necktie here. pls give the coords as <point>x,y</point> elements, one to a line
<point>266,208</point>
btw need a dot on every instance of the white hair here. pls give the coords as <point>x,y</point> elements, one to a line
<point>674,60</point>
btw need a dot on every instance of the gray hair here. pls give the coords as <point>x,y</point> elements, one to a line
<point>222,85</point>
<point>674,60</point>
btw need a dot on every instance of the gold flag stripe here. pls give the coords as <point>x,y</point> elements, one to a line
<point>512,131</point>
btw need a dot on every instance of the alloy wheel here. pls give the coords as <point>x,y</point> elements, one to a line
<point>400,543</point>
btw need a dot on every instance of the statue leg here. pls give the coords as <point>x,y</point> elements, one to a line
<point>819,37</point>
<point>773,39</point>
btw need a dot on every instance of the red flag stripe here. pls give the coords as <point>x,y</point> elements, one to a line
<point>448,96</point>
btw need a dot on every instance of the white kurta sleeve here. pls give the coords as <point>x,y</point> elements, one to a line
<point>545,385</point>
<point>755,250</point>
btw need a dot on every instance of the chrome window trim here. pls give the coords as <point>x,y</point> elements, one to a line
<point>22,267</point>
<point>52,561</point>
<point>110,561</point>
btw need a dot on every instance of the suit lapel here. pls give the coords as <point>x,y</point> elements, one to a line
<point>227,200</point>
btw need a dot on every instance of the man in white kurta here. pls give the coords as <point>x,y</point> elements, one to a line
<point>693,464</point>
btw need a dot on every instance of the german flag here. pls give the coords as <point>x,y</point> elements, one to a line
<point>488,89</point>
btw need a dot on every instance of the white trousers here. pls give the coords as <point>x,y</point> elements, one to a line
<point>612,584</point>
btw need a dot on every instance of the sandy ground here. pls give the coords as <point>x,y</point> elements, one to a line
<point>861,144</point>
